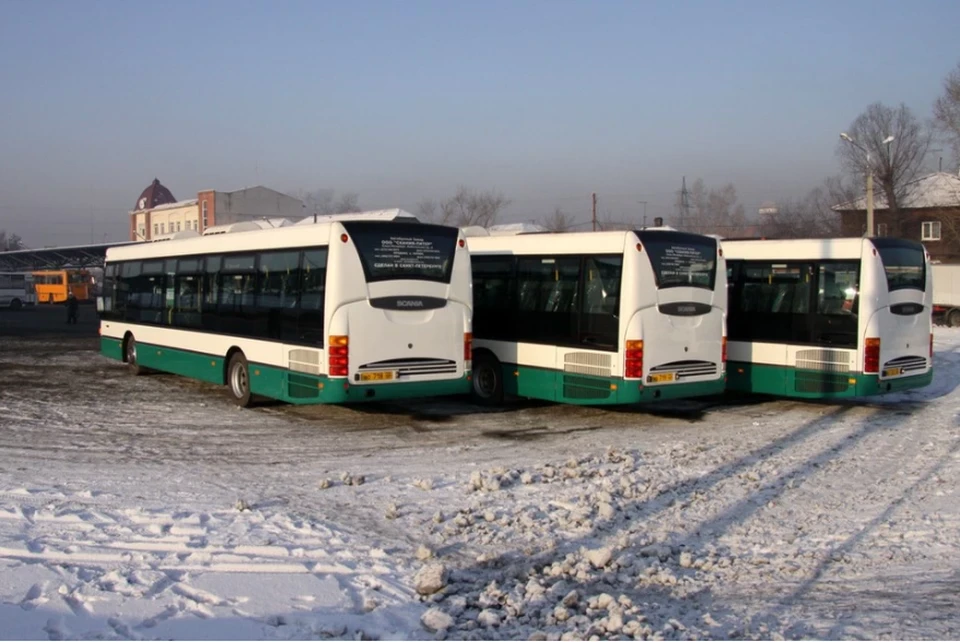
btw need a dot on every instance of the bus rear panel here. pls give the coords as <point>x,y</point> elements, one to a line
<point>828,318</point>
<point>599,318</point>
<point>403,309</point>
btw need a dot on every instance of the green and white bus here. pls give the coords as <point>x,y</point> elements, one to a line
<point>597,317</point>
<point>825,318</point>
<point>345,310</point>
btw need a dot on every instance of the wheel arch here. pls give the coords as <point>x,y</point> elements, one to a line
<point>123,347</point>
<point>226,363</point>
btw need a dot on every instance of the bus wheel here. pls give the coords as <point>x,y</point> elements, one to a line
<point>131,354</point>
<point>15,304</point>
<point>953,318</point>
<point>238,380</point>
<point>487,379</point>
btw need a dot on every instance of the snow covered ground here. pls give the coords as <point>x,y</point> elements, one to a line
<point>146,508</point>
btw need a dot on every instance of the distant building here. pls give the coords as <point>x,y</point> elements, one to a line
<point>159,214</point>
<point>929,212</point>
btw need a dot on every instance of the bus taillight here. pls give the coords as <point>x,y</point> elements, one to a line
<point>338,356</point>
<point>633,364</point>
<point>467,349</point>
<point>723,351</point>
<point>871,356</point>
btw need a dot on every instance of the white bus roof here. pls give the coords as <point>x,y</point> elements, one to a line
<point>846,248</point>
<point>247,226</point>
<point>395,214</point>
<point>264,239</point>
<point>560,242</point>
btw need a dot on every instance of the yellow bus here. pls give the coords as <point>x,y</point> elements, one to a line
<point>52,286</point>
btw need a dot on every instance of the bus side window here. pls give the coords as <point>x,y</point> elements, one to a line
<point>313,287</point>
<point>277,293</point>
<point>209,313</point>
<point>495,297</point>
<point>599,319</point>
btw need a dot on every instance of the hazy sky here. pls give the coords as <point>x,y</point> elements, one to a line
<point>401,100</point>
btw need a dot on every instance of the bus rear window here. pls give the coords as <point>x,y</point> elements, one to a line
<point>394,251</point>
<point>680,259</point>
<point>903,263</point>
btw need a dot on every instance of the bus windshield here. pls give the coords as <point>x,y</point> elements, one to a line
<point>680,259</point>
<point>903,262</point>
<point>393,251</point>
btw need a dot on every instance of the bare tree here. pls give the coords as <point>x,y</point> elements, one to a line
<point>464,208</point>
<point>324,201</point>
<point>715,211</point>
<point>558,221</point>
<point>347,203</point>
<point>9,243</point>
<point>427,209</point>
<point>608,222</point>
<point>946,112</point>
<point>895,164</point>
<point>811,216</point>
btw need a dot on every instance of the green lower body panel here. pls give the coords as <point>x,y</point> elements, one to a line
<point>111,348</point>
<point>280,383</point>
<point>784,381</point>
<point>587,390</point>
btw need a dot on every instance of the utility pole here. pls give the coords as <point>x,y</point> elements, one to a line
<point>594,197</point>
<point>644,212</point>
<point>684,205</point>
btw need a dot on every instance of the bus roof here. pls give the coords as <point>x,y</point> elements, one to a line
<point>560,242</point>
<point>269,239</point>
<point>845,248</point>
<point>566,242</point>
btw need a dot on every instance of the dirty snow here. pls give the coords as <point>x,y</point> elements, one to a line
<point>146,508</point>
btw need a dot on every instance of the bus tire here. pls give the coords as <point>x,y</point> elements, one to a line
<point>130,356</point>
<point>487,379</point>
<point>16,304</point>
<point>238,380</point>
<point>953,318</point>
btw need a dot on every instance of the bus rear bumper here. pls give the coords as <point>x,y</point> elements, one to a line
<point>338,391</point>
<point>874,385</point>
<point>785,381</point>
<point>587,390</point>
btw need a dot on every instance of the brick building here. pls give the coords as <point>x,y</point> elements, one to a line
<point>929,212</point>
<point>158,214</point>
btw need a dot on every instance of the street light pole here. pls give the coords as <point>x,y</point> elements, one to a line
<point>887,141</point>
<point>644,212</point>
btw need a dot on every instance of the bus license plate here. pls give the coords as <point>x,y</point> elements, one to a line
<point>891,372</point>
<point>385,375</point>
<point>661,378</point>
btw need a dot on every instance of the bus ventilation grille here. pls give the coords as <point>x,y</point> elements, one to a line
<point>907,364</point>
<point>820,360</point>
<point>413,367</point>
<point>685,369</point>
<point>817,381</point>
<point>588,363</point>
<point>302,386</point>
<point>304,361</point>
<point>575,387</point>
